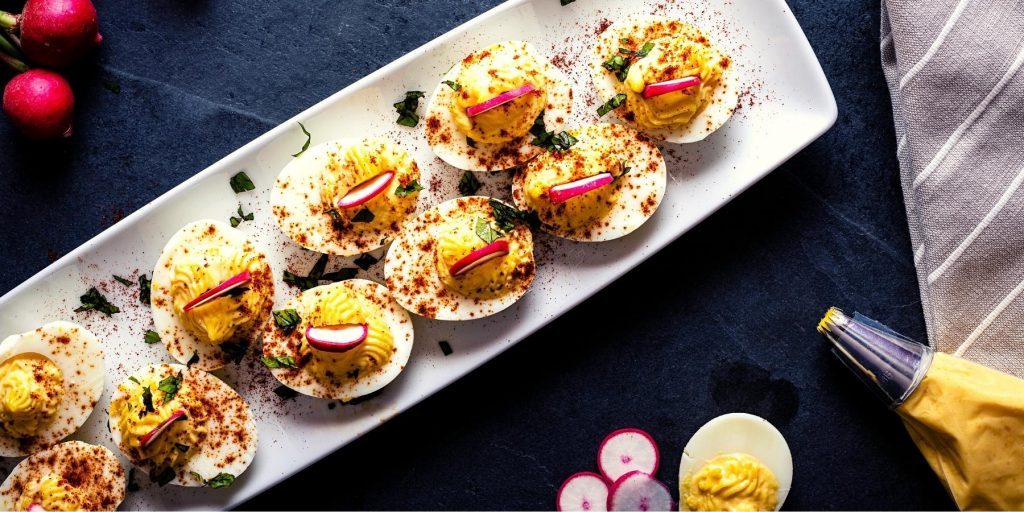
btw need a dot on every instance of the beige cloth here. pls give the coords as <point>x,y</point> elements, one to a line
<point>954,72</point>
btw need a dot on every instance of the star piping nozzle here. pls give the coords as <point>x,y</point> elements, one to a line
<point>886,361</point>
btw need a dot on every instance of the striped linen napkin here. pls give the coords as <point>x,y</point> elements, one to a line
<point>954,73</point>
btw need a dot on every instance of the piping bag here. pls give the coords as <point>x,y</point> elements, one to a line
<point>967,419</point>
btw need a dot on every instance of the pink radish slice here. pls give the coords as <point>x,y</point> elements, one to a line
<point>219,291</point>
<point>337,338</point>
<point>564,192</point>
<point>670,86</point>
<point>495,249</point>
<point>35,507</point>
<point>637,490</point>
<point>583,491</point>
<point>366,190</point>
<point>499,100</point>
<point>151,436</point>
<point>625,450</point>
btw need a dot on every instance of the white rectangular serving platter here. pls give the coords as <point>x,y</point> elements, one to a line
<point>788,105</point>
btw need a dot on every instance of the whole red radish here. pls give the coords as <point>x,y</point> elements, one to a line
<point>57,33</point>
<point>40,104</point>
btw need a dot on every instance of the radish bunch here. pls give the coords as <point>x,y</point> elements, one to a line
<point>51,34</point>
<point>627,458</point>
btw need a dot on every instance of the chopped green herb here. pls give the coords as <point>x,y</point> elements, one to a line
<point>623,170</point>
<point>241,183</point>
<point>406,109</point>
<point>468,184</point>
<point>237,292</point>
<point>620,63</point>
<point>112,86</point>
<point>145,286</point>
<point>132,484</point>
<point>308,139</point>
<point>646,49</point>
<point>340,275</point>
<point>507,216</point>
<point>454,85</point>
<point>192,360</point>
<point>94,300</point>
<point>234,350</point>
<point>335,216</point>
<point>446,348</point>
<point>235,221</point>
<point>163,476</point>
<point>470,142</point>
<point>611,104</point>
<point>287,320</point>
<point>285,392</point>
<point>365,261</point>
<point>485,231</point>
<point>316,274</point>
<point>152,337</point>
<point>566,2</point>
<point>364,215</point>
<point>279,362</point>
<point>123,281</point>
<point>538,129</point>
<point>409,188</point>
<point>147,399</point>
<point>133,379</point>
<point>183,448</point>
<point>221,480</point>
<point>550,141</point>
<point>170,385</point>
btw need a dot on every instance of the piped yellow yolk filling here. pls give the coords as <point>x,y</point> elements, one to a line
<point>355,165</point>
<point>587,158</point>
<point>202,269</point>
<point>52,493</point>
<point>488,73</point>
<point>341,306</point>
<point>31,391</point>
<point>491,279</point>
<point>173,447</point>
<point>734,481</point>
<point>674,58</point>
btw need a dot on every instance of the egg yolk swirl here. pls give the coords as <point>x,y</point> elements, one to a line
<point>734,481</point>
<point>31,391</point>
<point>490,72</point>
<point>203,268</point>
<point>674,58</point>
<point>456,239</point>
<point>358,163</point>
<point>341,306</point>
<point>174,446</point>
<point>52,493</point>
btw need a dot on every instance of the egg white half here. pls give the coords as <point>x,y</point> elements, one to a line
<point>451,145</point>
<point>740,433</point>
<point>720,108</point>
<point>79,355</point>
<point>220,452</point>
<point>275,343</point>
<point>103,482</point>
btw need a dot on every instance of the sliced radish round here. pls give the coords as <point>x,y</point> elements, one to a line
<point>499,100</point>
<point>151,436</point>
<point>583,491</point>
<point>637,490</point>
<point>219,291</point>
<point>565,191</point>
<point>495,249</point>
<point>625,450</point>
<point>35,507</point>
<point>337,338</point>
<point>366,190</point>
<point>660,88</point>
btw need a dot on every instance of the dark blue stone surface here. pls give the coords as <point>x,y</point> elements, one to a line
<point>730,329</point>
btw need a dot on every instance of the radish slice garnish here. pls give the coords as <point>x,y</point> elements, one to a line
<point>637,490</point>
<point>583,491</point>
<point>499,100</point>
<point>151,436</point>
<point>495,249</point>
<point>660,88</point>
<point>366,190</point>
<point>625,450</point>
<point>565,191</point>
<point>337,338</point>
<point>35,507</point>
<point>218,291</point>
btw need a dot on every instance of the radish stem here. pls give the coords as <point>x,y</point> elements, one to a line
<point>15,64</point>
<point>10,48</point>
<point>8,21</point>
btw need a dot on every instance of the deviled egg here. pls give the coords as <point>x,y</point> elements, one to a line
<point>603,187</point>
<point>68,476</point>
<point>492,105</point>
<point>340,341</point>
<point>665,77</point>
<point>183,426</point>
<point>735,462</point>
<point>466,258</point>
<point>50,381</point>
<point>346,197</point>
<point>212,289</point>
